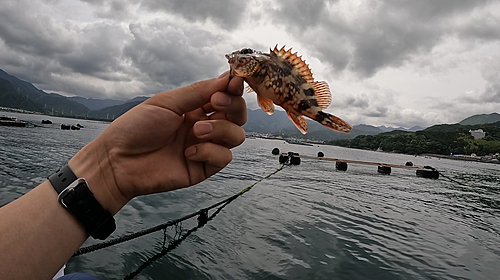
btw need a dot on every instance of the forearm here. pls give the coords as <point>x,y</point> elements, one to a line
<point>38,235</point>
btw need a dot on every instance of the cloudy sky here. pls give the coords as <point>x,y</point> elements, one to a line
<point>388,62</point>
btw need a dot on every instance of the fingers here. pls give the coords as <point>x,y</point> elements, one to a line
<point>214,157</point>
<point>230,107</point>
<point>235,86</point>
<point>221,132</point>
<point>188,98</point>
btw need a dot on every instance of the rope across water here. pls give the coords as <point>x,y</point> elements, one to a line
<point>202,220</point>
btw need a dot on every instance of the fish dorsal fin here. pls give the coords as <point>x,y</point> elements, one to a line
<point>296,61</point>
<point>299,121</point>
<point>322,93</point>
<point>266,104</point>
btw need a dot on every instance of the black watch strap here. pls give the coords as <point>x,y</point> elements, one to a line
<point>62,178</point>
<point>75,195</point>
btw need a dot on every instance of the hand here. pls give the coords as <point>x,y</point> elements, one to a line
<point>173,140</point>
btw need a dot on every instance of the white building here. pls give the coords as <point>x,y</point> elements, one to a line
<point>477,134</point>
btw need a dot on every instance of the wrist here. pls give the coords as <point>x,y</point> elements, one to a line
<point>92,163</point>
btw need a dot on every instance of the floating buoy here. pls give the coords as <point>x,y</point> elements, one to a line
<point>409,163</point>
<point>320,154</point>
<point>46,122</point>
<point>428,172</point>
<point>283,158</point>
<point>290,157</point>
<point>276,151</point>
<point>65,126</point>
<point>340,165</point>
<point>79,125</point>
<point>384,169</point>
<point>74,127</point>
<point>294,158</point>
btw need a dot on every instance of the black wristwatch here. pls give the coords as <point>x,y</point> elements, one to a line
<point>75,195</point>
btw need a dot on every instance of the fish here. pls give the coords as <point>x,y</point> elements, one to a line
<point>281,77</point>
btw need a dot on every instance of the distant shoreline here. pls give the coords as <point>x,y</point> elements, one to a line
<point>463,158</point>
<point>22,111</point>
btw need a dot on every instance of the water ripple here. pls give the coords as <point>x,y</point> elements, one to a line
<point>305,222</point>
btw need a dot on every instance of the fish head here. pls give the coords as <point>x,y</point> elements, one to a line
<point>245,62</point>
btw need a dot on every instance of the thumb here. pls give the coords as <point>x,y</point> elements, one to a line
<point>189,98</point>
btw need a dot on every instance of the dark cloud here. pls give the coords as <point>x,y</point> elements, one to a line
<point>123,48</point>
<point>117,10</point>
<point>98,52</point>
<point>378,34</point>
<point>39,35</point>
<point>80,59</point>
<point>361,102</point>
<point>377,112</point>
<point>174,55</point>
<point>50,54</point>
<point>303,14</point>
<point>227,14</point>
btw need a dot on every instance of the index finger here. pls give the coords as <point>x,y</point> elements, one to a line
<point>235,86</point>
<point>189,98</point>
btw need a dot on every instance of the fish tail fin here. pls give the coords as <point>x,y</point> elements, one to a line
<point>332,122</point>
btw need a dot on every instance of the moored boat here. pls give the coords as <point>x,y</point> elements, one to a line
<point>12,121</point>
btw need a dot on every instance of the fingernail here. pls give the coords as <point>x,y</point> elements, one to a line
<point>223,100</point>
<point>202,128</point>
<point>191,151</point>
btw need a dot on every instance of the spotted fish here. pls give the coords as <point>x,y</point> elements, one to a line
<point>283,78</point>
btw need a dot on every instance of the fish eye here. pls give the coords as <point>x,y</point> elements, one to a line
<point>246,51</point>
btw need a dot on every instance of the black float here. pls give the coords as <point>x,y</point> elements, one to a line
<point>340,165</point>
<point>276,151</point>
<point>428,172</point>
<point>65,126</point>
<point>384,169</point>
<point>283,158</point>
<point>292,158</point>
<point>320,154</point>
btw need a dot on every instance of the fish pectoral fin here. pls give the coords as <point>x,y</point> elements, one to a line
<point>322,93</point>
<point>299,121</point>
<point>249,89</point>
<point>266,104</point>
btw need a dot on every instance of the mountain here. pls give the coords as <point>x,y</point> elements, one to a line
<point>413,128</point>
<point>279,123</point>
<point>95,104</point>
<point>19,94</point>
<point>23,95</point>
<point>9,97</point>
<point>113,112</point>
<point>481,119</point>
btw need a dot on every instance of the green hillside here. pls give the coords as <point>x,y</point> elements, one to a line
<point>113,112</point>
<point>442,139</point>
<point>9,97</point>
<point>481,119</point>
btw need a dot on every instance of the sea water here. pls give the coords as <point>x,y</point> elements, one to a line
<point>308,221</point>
